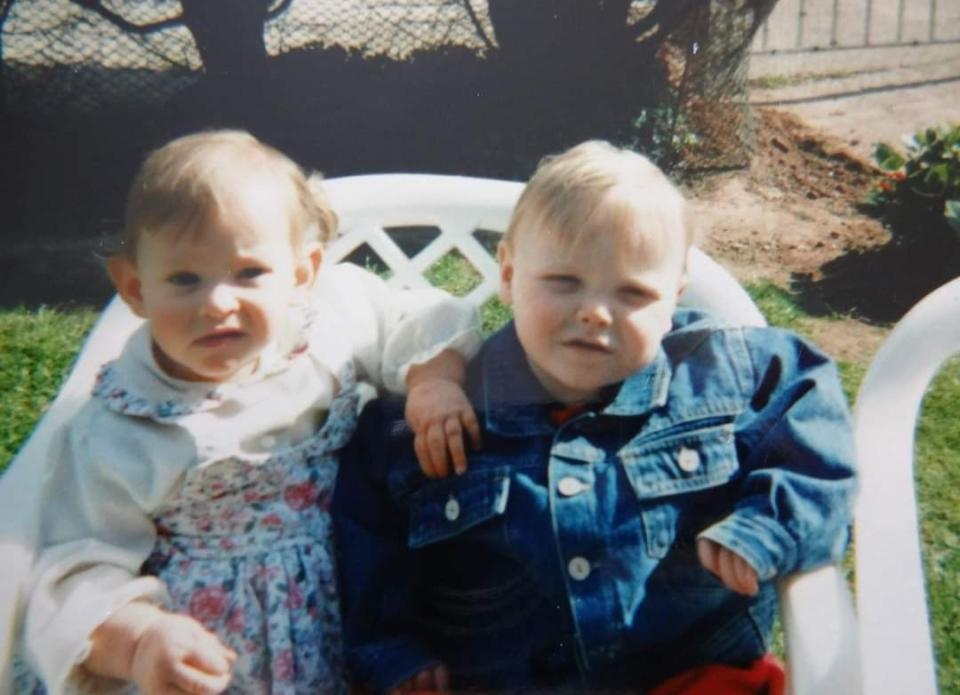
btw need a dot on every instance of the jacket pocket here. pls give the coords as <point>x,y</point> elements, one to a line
<point>444,509</point>
<point>664,470</point>
<point>693,459</point>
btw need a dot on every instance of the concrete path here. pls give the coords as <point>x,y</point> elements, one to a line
<point>863,96</point>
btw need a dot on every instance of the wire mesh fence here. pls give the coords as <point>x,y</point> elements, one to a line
<point>141,50</point>
<point>81,56</point>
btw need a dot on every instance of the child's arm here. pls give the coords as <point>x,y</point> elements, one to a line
<point>403,337</point>
<point>159,651</point>
<point>94,536</point>
<point>797,463</point>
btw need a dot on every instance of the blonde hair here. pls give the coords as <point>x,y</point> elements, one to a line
<point>183,182</point>
<point>596,182</point>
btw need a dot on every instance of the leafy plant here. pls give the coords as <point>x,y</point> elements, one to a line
<point>919,191</point>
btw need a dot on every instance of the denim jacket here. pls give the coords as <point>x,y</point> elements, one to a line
<point>565,556</point>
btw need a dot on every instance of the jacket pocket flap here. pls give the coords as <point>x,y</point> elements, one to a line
<point>686,462</point>
<point>449,507</point>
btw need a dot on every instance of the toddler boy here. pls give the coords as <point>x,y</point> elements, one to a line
<point>646,472</point>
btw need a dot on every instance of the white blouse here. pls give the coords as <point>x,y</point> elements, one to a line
<point>127,449</point>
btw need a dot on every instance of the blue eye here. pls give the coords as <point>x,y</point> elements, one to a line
<point>184,279</point>
<point>251,272</point>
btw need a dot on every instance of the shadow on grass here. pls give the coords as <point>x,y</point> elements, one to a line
<point>880,284</point>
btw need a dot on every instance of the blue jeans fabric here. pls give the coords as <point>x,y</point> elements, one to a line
<point>566,556</point>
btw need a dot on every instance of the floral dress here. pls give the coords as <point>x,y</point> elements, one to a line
<point>246,548</point>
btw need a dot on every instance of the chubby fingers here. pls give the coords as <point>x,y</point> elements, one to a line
<point>746,576</point>
<point>735,572</point>
<point>707,552</point>
<point>431,449</point>
<point>441,444</point>
<point>207,669</point>
<point>196,682</point>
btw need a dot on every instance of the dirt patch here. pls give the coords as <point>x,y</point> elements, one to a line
<point>796,218</point>
<point>795,209</point>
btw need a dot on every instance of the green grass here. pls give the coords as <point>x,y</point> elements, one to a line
<point>37,347</point>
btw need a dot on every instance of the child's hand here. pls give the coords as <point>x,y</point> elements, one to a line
<point>435,679</point>
<point>438,412</point>
<point>736,573</point>
<point>175,654</point>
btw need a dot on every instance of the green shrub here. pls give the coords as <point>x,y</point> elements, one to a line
<point>918,192</point>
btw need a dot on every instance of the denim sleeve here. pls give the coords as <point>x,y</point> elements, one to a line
<point>795,445</point>
<point>376,572</point>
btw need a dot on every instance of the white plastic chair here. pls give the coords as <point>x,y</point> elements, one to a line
<point>816,606</point>
<point>895,640</point>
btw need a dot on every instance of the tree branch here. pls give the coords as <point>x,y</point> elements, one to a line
<point>468,5</point>
<point>278,9</point>
<point>666,15</point>
<point>119,21</point>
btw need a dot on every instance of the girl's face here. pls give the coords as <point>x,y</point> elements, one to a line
<point>216,298</point>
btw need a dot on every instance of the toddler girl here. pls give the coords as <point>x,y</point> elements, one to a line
<point>186,542</point>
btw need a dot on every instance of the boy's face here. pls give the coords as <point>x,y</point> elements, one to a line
<point>215,299</point>
<point>592,311</point>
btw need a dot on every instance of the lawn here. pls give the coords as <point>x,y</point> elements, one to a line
<point>37,347</point>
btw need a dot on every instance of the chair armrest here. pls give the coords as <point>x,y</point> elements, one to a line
<point>820,632</point>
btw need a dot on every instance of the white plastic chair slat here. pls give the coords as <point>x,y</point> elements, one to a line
<point>485,290</point>
<point>478,256</point>
<point>891,600</point>
<point>432,252</point>
<point>820,633</point>
<point>374,236</point>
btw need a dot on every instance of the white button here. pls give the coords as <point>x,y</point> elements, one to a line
<point>571,486</point>
<point>268,441</point>
<point>452,509</point>
<point>579,568</point>
<point>688,460</point>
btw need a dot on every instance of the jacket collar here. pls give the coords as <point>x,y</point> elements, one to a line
<point>513,400</point>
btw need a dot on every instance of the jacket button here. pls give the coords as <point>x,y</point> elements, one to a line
<point>570,486</point>
<point>688,460</point>
<point>451,509</point>
<point>579,568</point>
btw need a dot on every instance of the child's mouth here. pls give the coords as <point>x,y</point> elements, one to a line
<point>218,338</point>
<point>589,346</point>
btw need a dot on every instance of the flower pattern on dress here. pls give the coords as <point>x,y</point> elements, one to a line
<point>245,547</point>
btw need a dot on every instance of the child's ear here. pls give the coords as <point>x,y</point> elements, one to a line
<point>126,279</point>
<point>505,260</point>
<point>308,265</point>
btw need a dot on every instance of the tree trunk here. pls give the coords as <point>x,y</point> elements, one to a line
<point>715,94</point>
<point>229,35</point>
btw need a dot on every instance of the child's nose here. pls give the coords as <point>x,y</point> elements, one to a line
<point>594,313</point>
<point>221,300</point>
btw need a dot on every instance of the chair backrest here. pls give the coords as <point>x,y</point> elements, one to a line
<point>891,601</point>
<point>466,212</point>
